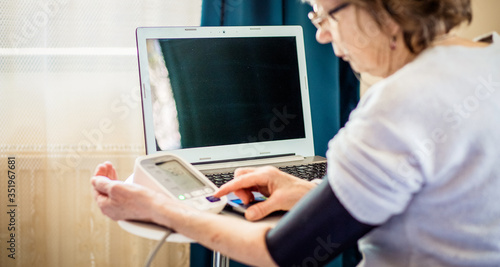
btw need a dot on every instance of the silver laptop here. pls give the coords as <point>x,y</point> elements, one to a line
<point>227,97</point>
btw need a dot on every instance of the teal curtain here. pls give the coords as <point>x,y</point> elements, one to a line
<point>333,88</point>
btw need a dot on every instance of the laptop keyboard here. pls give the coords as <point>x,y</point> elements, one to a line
<point>307,172</point>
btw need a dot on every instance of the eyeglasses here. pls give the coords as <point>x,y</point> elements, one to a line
<point>318,19</point>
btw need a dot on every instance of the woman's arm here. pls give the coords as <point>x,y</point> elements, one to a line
<point>238,239</point>
<point>315,231</point>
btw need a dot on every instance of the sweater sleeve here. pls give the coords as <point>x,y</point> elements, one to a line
<point>371,166</point>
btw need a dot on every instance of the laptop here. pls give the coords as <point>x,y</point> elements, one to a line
<point>228,97</point>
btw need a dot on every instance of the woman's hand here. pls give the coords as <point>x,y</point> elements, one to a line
<point>239,239</point>
<point>283,190</point>
<point>121,201</point>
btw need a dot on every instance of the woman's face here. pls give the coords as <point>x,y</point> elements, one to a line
<point>355,37</point>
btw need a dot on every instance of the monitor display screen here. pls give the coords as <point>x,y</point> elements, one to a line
<point>183,179</point>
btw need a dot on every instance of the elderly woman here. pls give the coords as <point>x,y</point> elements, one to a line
<point>414,176</point>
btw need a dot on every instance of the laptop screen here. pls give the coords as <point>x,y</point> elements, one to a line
<point>217,93</point>
<point>225,91</point>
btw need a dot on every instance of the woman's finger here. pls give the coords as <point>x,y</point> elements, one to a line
<point>101,184</point>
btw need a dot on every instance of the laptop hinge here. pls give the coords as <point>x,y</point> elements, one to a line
<point>247,162</point>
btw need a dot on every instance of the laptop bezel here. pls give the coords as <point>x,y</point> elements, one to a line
<point>301,146</point>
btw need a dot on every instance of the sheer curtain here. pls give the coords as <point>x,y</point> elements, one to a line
<point>69,99</point>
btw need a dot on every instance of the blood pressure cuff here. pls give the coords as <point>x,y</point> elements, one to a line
<point>315,231</point>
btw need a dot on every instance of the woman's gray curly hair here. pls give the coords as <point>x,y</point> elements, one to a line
<point>420,20</point>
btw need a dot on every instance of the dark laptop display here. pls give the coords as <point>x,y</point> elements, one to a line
<point>226,97</point>
<point>230,90</point>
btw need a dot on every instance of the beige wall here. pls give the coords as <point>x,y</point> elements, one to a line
<point>70,99</point>
<point>486,18</point>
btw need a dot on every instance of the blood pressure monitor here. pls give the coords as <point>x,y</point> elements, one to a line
<point>171,175</point>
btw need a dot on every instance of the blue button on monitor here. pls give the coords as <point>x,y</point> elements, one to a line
<point>213,199</point>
